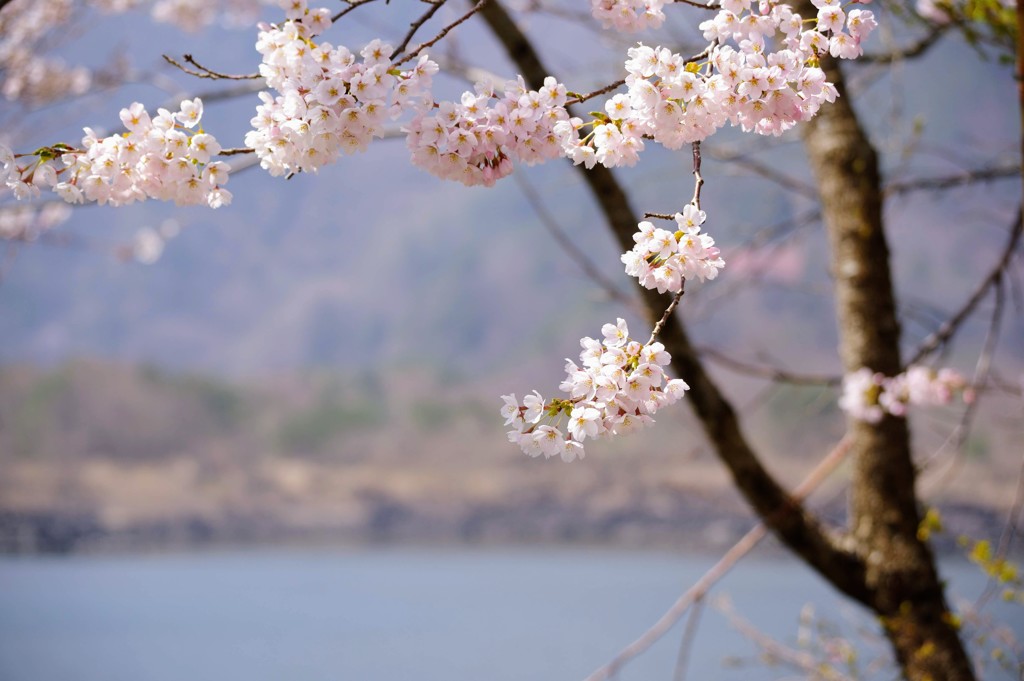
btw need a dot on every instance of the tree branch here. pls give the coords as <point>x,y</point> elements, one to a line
<point>797,528</point>
<point>204,72</point>
<point>442,33</point>
<point>415,26</point>
<point>910,51</point>
<point>951,325</point>
<point>901,576</point>
<point>960,179</point>
<point>720,569</point>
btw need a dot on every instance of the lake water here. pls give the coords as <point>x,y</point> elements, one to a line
<point>388,614</point>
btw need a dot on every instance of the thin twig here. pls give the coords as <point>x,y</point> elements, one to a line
<point>698,182</point>
<point>1009,533</point>
<point>950,326</point>
<point>204,72</point>
<point>235,151</point>
<point>686,645</point>
<point>981,372</point>
<point>771,174</point>
<point>697,177</point>
<point>592,271</point>
<point>800,660</point>
<point>908,52</point>
<point>721,568</point>
<point>443,32</point>
<point>415,26</point>
<point>965,178</point>
<point>668,312</point>
<point>352,4</point>
<point>770,372</point>
<point>596,93</point>
<point>711,6</point>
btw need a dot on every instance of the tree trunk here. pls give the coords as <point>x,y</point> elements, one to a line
<point>901,575</point>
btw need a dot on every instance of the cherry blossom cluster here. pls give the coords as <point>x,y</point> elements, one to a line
<point>868,396</point>
<point>165,157</point>
<point>331,102</point>
<point>21,222</point>
<point>149,243</point>
<point>24,72</point>
<point>477,140</point>
<point>629,16</point>
<point>192,15</point>
<point>617,390</point>
<point>663,260</point>
<point>26,26</point>
<point>761,73</point>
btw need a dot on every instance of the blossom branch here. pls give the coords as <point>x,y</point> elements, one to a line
<point>236,151</point>
<point>698,182</point>
<point>797,528</point>
<point>578,99</point>
<point>668,313</point>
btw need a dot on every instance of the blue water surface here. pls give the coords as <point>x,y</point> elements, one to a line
<point>389,614</point>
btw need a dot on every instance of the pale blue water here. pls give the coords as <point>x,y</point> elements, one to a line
<point>383,615</point>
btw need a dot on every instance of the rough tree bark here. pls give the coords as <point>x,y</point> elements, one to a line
<point>880,563</point>
<point>901,574</point>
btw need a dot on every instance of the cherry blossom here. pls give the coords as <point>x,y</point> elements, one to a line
<point>628,16</point>
<point>869,396</point>
<point>158,157</point>
<point>617,390</point>
<point>760,72</point>
<point>663,260</point>
<point>478,140</point>
<point>331,101</point>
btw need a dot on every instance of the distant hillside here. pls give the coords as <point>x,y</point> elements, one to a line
<point>97,454</point>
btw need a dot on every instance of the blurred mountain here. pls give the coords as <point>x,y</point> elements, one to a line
<point>328,350</point>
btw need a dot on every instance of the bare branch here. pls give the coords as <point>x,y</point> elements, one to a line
<point>592,271</point>
<point>236,151</point>
<point>442,33</point>
<point>686,645</point>
<point>415,26</point>
<point>701,587</point>
<point>803,661</point>
<point>966,178</point>
<point>714,6</point>
<point>950,326</point>
<point>769,372</point>
<point>908,52</point>
<point>352,4</point>
<point>204,72</point>
<point>596,93</point>
<point>767,172</point>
